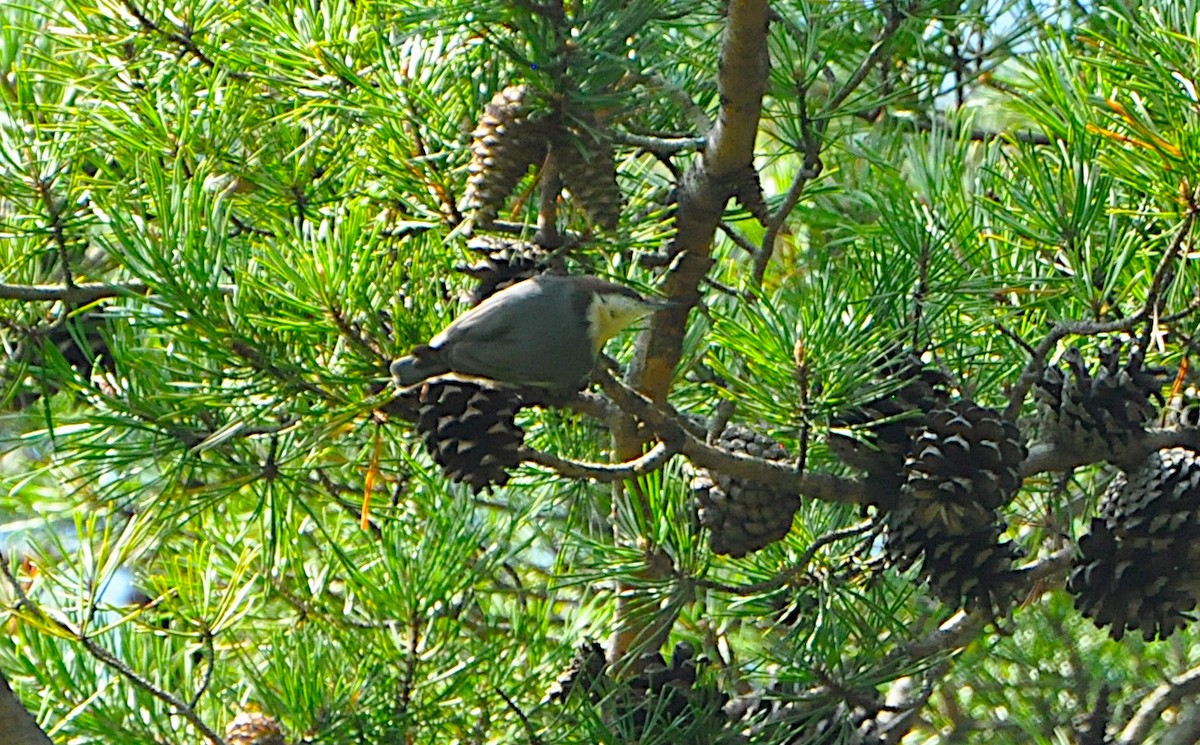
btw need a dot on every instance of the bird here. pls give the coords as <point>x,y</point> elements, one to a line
<point>545,332</point>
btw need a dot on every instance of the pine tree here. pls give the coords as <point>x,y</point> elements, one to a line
<point>932,296</point>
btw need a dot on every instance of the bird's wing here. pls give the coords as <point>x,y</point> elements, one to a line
<point>500,312</point>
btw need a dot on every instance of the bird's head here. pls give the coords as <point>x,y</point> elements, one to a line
<point>611,308</point>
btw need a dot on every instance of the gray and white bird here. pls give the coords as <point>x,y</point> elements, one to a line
<point>546,331</point>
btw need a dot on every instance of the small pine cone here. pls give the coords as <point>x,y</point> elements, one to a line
<point>501,263</point>
<point>1139,564</point>
<point>1102,413</point>
<point>253,728</point>
<point>470,431</point>
<point>584,156</point>
<point>884,427</point>
<point>585,669</point>
<point>668,692</point>
<point>512,134</point>
<point>963,466</point>
<point>743,516</point>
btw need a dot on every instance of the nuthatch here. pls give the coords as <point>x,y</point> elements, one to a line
<point>546,332</point>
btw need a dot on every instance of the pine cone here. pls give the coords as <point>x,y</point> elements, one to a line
<point>1101,414</point>
<point>502,263</point>
<point>884,427</point>
<point>253,728</point>
<point>1139,564</point>
<point>512,134</point>
<point>963,466</point>
<point>743,516</point>
<point>584,156</point>
<point>667,692</point>
<point>470,431</point>
<point>585,669</point>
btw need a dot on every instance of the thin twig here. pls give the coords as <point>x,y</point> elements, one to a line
<point>76,294</point>
<point>529,730</point>
<point>108,658</point>
<point>549,185</point>
<point>1164,274</point>
<point>181,38</point>
<point>1037,362</point>
<point>662,146</point>
<point>653,460</point>
<point>793,571</point>
<point>738,239</point>
<point>813,134</point>
<point>209,667</point>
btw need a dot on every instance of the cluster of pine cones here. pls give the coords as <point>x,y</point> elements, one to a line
<point>519,127</point>
<point>1138,567</point>
<point>942,472</point>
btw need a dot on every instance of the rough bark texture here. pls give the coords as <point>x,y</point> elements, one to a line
<point>706,188</point>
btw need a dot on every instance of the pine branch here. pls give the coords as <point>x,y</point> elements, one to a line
<point>813,134</point>
<point>653,460</point>
<point>790,573</point>
<point>1150,711</point>
<point>180,707</point>
<point>1036,366</point>
<point>670,426</point>
<point>72,294</point>
<point>706,187</point>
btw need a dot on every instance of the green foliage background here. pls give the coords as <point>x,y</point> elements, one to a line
<point>278,186</point>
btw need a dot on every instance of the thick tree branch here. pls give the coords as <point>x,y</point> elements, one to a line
<point>1046,457</point>
<point>706,187</point>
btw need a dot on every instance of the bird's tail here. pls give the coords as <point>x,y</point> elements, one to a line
<point>422,364</point>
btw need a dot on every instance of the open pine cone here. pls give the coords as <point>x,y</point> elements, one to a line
<point>882,429</point>
<point>470,431</point>
<point>1139,564</point>
<point>963,466</point>
<point>1101,413</point>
